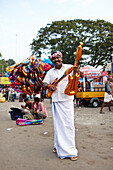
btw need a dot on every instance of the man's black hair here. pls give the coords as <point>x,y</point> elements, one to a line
<point>36,99</point>
<point>26,99</point>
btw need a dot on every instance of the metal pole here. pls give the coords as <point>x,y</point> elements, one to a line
<point>16,47</point>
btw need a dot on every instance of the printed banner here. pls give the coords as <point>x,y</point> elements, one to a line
<point>4,80</point>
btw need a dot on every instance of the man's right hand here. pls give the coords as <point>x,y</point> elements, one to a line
<point>52,87</point>
<point>23,106</point>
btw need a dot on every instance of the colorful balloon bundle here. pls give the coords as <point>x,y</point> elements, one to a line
<point>27,76</point>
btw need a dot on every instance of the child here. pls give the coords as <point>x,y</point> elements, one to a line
<point>39,109</point>
<point>28,109</point>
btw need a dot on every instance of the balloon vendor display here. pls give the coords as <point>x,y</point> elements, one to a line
<point>27,76</point>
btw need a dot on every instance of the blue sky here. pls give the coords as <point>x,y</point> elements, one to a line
<point>20,20</point>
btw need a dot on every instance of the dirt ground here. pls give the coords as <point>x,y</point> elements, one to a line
<point>30,147</point>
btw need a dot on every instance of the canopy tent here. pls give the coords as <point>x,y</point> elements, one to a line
<point>92,72</point>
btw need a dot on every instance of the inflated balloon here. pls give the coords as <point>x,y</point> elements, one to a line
<point>11,68</point>
<point>20,79</point>
<point>27,76</point>
<point>25,70</point>
<point>32,75</point>
<point>30,90</point>
<point>15,72</point>
<point>17,82</point>
<point>31,82</point>
<point>11,78</point>
<point>30,66</point>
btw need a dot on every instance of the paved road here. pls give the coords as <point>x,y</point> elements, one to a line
<point>30,147</point>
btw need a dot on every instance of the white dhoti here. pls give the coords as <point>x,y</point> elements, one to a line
<point>107,97</point>
<point>64,137</point>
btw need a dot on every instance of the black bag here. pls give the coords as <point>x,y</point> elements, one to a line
<point>16,113</point>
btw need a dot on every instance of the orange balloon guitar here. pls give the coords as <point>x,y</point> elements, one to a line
<point>72,86</point>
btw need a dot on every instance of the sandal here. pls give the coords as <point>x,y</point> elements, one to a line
<point>74,158</point>
<point>102,112</point>
<point>54,150</point>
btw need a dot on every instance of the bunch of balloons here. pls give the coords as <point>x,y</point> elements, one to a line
<point>27,76</point>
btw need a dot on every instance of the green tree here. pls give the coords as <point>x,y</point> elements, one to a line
<point>10,62</point>
<point>4,63</point>
<point>3,66</point>
<point>65,36</point>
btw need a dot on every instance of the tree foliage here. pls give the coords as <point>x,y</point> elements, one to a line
<point>65,36</point>
<point>10,62</point>
<point>4,63</point>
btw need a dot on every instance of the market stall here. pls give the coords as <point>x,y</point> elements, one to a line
<point>95,79</point>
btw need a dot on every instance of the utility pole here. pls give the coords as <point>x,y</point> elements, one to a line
<point>16,48</point>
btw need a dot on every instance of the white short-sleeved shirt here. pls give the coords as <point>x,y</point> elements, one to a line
<point>52,74</point>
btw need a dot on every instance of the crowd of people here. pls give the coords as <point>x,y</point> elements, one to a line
<point>9,93</point>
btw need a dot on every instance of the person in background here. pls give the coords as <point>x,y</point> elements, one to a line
<point>28,109</point>
<point>111,81</point>
<point>24,95</point>
<point>79,87</point>
<point>95,80</point>
<point>108,95</point>
<point>28,105</point>
<point>3,92</point>
<point>13,94</point>
<point>0,93</point>
<point>39,109</point>
<point>9,96</point>
<point>87,85</point>
<point>7,93</point>
<point>21,97</point>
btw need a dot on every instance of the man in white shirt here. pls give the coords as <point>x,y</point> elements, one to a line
<point>63,110</point>
<point>13,94</point>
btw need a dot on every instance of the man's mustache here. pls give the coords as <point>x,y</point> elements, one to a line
<point>57,61</point>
